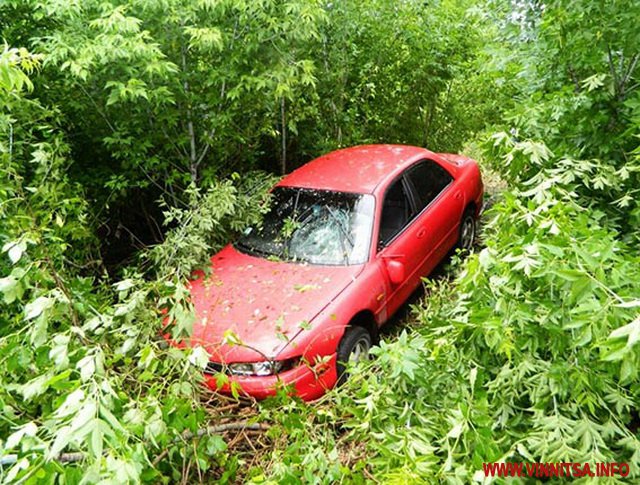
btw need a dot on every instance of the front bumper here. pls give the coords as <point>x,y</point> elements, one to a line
<point>309,382</point>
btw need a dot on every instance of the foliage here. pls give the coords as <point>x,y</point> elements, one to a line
<point>158,95</point>
<point>81,357</point>
<point>167,85</point>
<point>577,113</point>
<point>531,353</point>
<point>167,108</point>
<point>210,221</point>
<point>394,75</point>
<point>520,359</point>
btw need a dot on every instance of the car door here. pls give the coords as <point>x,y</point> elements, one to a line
<point>397,241</point>
<point>439,205</point>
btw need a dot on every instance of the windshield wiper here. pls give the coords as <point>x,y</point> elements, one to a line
<point>251,249</point>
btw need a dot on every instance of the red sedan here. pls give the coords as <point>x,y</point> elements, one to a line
<point>347,239</point>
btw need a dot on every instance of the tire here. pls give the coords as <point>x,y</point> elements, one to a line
<point>467,233</point>
<point>355,345</point>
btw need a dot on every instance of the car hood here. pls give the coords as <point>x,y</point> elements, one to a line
<point>263,303</point>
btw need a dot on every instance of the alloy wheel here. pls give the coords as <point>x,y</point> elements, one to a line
<point>467,233</point>
<point>360,350</point>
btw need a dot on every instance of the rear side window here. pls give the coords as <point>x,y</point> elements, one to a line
<point>428,179</point>
<point>396,211</point>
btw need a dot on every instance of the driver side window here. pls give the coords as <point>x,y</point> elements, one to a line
<point>396,212</point>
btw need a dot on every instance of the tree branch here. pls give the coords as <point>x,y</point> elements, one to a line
<point>238,425</point>
<point>76,456</point>
<point>612,68</point>
<point>193,156</point>
<point>283,124</point>
<point>627,75</point>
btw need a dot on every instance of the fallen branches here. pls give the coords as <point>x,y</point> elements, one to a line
<point>186,435</point>
<point>220,428</point>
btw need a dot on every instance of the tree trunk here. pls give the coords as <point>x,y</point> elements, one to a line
<point>283,124</point>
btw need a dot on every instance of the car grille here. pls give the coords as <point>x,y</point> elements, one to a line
<point>213,368</point>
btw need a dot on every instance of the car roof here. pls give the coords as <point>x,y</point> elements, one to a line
<point>357,169</point>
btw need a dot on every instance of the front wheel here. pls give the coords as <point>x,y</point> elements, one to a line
<point>467,231</point>
<point>354,346</point>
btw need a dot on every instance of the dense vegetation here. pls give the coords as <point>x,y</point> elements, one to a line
<point>137,136</point>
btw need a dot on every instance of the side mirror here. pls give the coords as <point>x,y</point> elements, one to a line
<point>395,269</point>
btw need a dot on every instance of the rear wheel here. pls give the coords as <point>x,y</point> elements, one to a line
<point>467,230</point>
<point>354,346</point>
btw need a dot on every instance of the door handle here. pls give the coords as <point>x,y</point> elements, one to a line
<point>421,232</point>
<point>458,195</point>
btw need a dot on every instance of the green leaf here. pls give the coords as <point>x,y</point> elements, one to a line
<point>71,404</point>
<point>35,387</point>
<point>87,367</point>
<point>59,351</point>
<point>15,250</point>
<point>96,441</point>
<point>14,438</point>
<point>10,289</point>
<point>626,304</point>
<point>594,82</point>
<point>63,437</point>
<point>305,288</point>
<point>199,357</point>
<point>631,330</point>
<point>456,431</point>
<point>124,285</point>
<point>36,307</point>
<point>231,338</point>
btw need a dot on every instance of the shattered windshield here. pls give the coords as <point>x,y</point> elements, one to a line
<point>313,226</point>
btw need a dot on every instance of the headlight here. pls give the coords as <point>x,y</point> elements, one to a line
<point>265,368</point>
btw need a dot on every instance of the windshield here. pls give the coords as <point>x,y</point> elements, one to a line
<point>313,226</point>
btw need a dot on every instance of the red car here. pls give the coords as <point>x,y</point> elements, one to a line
<point>347,239</point>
